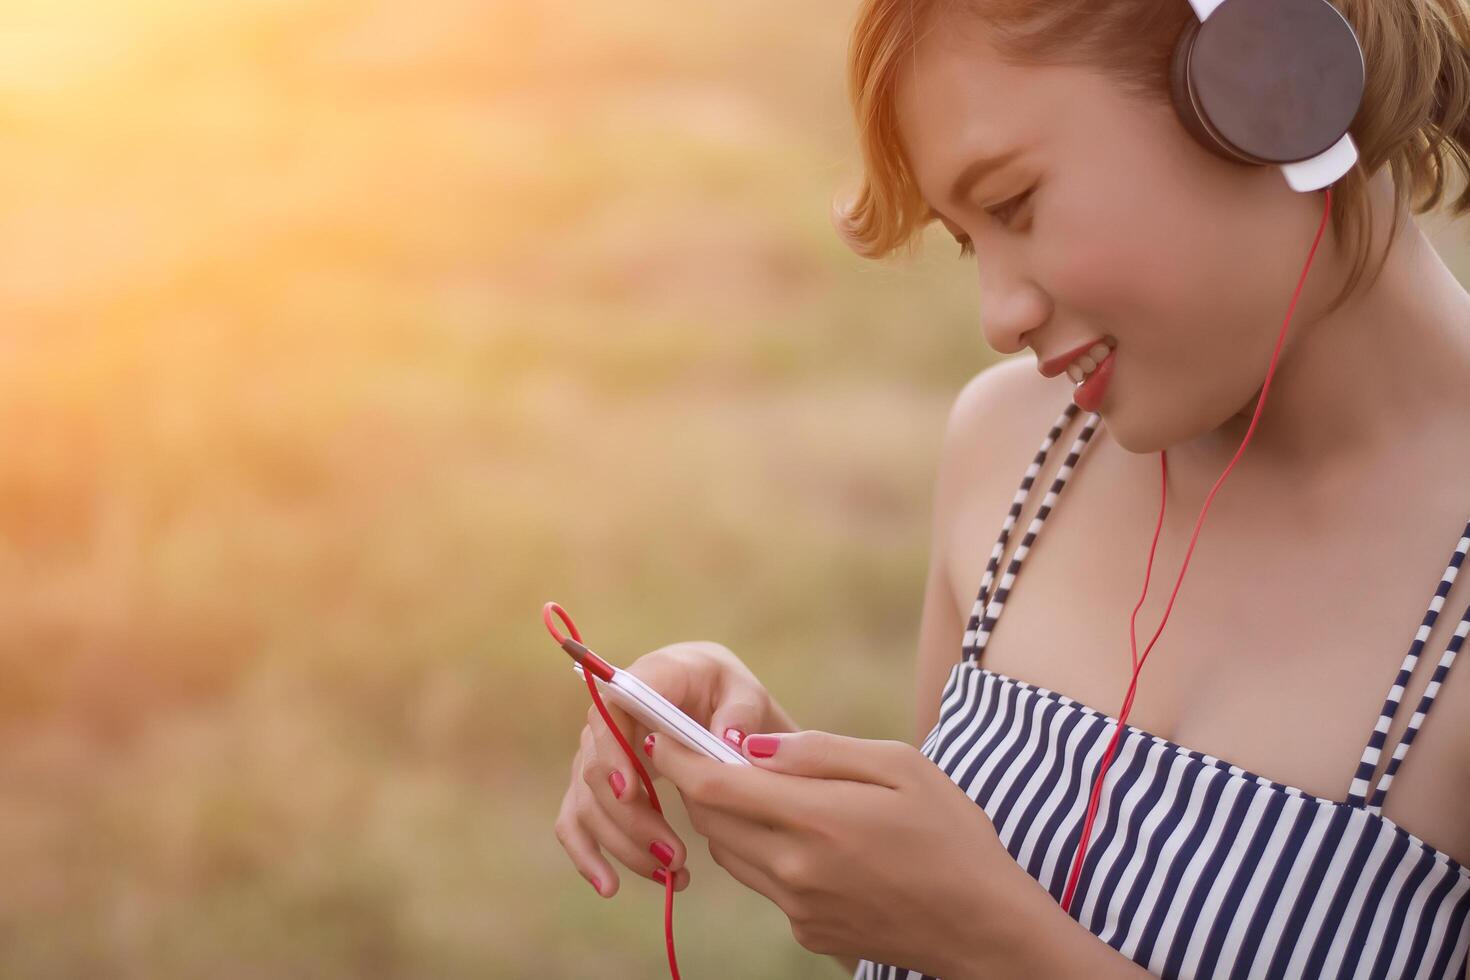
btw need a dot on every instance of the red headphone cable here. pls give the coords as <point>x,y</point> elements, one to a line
<point>1138,662</point>
<point>593,664</point>
<point>1132,639</point>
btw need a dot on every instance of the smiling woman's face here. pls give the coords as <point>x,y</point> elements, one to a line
<point>1128,229</point>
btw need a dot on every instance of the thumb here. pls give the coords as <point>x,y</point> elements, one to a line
<point>827,756</point>
<point>735,717</point>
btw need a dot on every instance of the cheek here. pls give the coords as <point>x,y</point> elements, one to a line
<point>1172,298</point>
<point>1106,268</point>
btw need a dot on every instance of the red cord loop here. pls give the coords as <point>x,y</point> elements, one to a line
<point>554,607</point>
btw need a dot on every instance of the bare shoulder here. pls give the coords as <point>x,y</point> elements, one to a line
<point>992,432</point>
<point>997,421</point>
<point>995,426</point>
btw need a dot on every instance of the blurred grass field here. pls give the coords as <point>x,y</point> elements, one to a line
<point>338,338</point>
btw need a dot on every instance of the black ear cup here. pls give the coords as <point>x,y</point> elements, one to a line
<point>1268,81</point>
<point>1179,90</point>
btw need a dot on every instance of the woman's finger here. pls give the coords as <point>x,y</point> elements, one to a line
<point>623,780</point>
<point>637,822</point>
<point>748,792</point>
<point>740,708</point>
<point>616,793</point>
<point>580,847</point>
<point>750,840</point>
<point>638,858</point>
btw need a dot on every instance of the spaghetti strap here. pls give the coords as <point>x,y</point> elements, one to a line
<point>1359,793</point>
<point>1233,873</point>
<point>986,611</point>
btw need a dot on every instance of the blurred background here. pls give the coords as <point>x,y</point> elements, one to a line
<point>338,337</point>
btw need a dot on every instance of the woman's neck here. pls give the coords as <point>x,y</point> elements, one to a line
<point>1394,359</point>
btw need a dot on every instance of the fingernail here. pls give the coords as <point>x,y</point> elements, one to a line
<point>734,736</point>
<point>660,875</point>
<point>618,783</point>
<point>597,884</point>
<point>762,746</point>
<point>662,851</point>
<point>648,745</point>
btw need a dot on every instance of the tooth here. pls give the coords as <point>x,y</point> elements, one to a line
<point>1075,373</point>
<point>1098,352</point>
<point>1085,362</point>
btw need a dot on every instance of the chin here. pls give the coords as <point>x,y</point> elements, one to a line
<point>1139,439</point>
<point>1136,446</point>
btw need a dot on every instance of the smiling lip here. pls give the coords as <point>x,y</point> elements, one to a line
<point>1089,394</point>
<point>1058,364</point>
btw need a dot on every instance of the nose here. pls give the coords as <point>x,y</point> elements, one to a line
<point>1011,306</point>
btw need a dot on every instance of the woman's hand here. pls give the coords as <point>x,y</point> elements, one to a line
<point>867,847</point>
<point>605,805</point>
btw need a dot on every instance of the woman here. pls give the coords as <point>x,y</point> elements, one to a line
<point>1245,826</point>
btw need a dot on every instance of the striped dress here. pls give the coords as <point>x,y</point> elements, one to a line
<point>1197,867</point>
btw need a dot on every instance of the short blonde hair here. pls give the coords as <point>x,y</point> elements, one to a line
<point>1415,114</point>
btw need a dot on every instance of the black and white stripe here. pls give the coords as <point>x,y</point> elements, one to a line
<point>982,619</point>
<point>1197,867</point>
<point>1395,693</point>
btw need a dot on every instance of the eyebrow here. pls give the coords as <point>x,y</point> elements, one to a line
<point>972,174</point>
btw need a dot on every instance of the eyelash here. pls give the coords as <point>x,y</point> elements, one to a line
<point>967,247</point>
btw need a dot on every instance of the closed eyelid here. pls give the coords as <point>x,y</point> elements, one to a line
<point>1010,203</point>
<point>1001,213</point>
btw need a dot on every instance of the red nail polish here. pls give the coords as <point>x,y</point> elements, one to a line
<point>648,745</point>
<point>597,885</point>
<point>734,736</point>
<point>618,783</point>
<point>660,875</point>
<point>762,746</point>
<point>662,851</point>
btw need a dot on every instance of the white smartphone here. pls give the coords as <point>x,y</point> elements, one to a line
<point>660,714</point>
